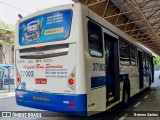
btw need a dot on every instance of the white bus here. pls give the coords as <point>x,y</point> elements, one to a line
<point>80,64</point>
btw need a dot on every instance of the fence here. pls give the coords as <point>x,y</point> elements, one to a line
<point>6,78</point>
<point>7,85</point>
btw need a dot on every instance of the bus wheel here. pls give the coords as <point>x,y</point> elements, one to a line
<point>125,97</point>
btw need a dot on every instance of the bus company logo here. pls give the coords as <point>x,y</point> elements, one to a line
<point>39,66</point>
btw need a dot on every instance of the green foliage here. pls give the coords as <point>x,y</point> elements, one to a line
<point>7,33</point>
<point>5,26</point>
<point>157,58</point>
<point>7,36</point>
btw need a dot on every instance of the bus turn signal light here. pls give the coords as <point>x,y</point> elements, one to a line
<point>72,74</point>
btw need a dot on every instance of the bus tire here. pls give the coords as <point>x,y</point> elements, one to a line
<point>126,96</point>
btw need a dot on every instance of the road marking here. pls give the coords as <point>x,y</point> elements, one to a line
<point>136,105</point>
<point>151,92</point>
<point>124,116</point>
<point>146,96</point>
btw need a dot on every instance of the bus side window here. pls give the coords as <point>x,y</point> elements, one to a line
<point>145,64</point>
<point>144,60</point>
<point>124,52</point>
<point>133,55</point>
<point>95,40</point>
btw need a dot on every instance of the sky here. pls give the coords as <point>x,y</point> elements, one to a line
<point>9,9</point>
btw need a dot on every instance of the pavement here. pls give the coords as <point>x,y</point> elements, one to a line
<point>146,102</point>
<point>5,95</point>
<point>145,106</point>
<point>156,79</point>
<point>141,106</point>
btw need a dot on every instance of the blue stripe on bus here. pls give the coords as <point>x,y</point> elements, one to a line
<point>53,102</point>
<point>97,82</point>
<point>123,77</point>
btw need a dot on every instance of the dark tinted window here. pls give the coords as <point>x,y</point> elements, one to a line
<point>144,59</point>
<point>124,51</point>
<point>147,61</point>
<point>95,39</point>
<point>145,64</point>
<point>133,54</point>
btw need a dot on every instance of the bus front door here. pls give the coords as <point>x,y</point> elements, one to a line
<point>112,69</point>
<point>140,64</point>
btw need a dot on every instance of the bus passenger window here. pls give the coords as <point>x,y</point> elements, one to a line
<point>144,64</point>
<point>144,60</point>
<point>95,40</point>
<point>147,63</point>
<point>124,52</point>
<point>133,55</point>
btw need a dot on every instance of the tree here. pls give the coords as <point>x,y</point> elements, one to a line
<point>7,36</point>
<point>157,60</point>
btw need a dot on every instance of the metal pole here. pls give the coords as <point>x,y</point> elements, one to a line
<point>9,79</point>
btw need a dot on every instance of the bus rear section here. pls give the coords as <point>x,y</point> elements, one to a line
<point>46,62</point>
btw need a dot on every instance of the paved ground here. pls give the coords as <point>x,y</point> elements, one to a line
<point>157,80</point>
<point>146,102</point>
<point>141,104</point>
<point>5,95</point>
<point>147,105</point>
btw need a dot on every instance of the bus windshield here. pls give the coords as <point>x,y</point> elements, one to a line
<point>45,28</point>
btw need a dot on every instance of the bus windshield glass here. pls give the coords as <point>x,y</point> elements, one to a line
<point>45,28</point>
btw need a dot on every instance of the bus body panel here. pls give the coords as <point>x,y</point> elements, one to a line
<point>65,103</point>
<point>54,73</point>
<point>78,36</point>
<point>131,71</point>
<point>87,66</point>
<point>39,90</point>
<point>87,96</point>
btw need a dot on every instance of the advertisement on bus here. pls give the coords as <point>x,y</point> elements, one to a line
<point>45,28</point>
